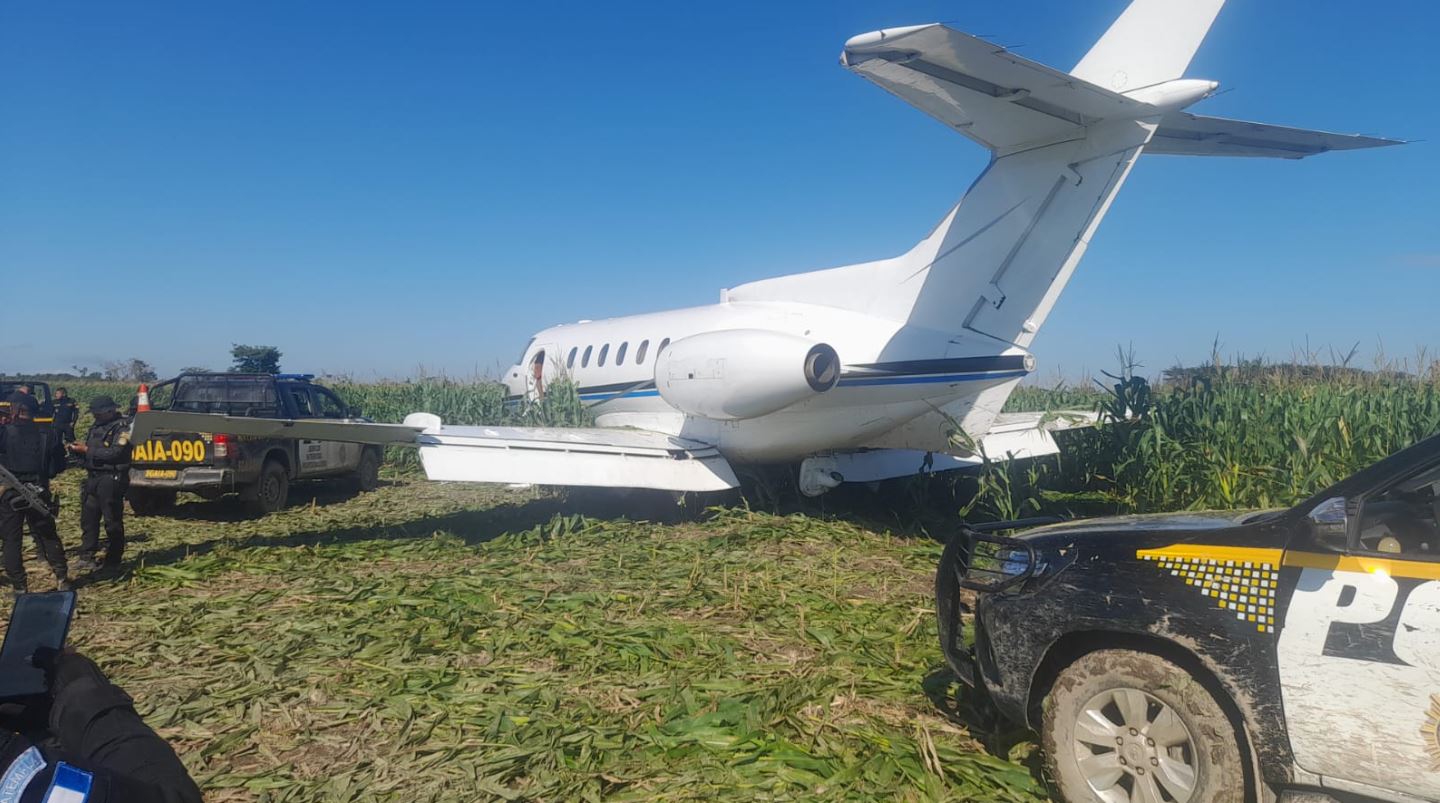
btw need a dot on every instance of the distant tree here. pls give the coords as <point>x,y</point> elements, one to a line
<point>255,359</point>
<point>131,370</point>
<point>194,370</point>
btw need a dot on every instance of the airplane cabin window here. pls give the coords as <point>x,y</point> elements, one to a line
<point>640,352</point>
<point>604,350</point>
<point>620,353</point>
<point>570,361</point>
<point>585,360</point>
<point>663,344</point>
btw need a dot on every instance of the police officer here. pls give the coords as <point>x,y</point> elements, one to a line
<point>67,412</point>
<point>107,464</point>
<point>84,743</point>
<point>34,455</point>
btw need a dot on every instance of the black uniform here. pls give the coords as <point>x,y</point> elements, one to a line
<point>107,466</point>
<point>34,455</point>
<point>90,739</point>
<point>67,412</point>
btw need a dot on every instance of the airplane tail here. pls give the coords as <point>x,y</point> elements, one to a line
<point>1062,145</point>
<point>1151,43</point>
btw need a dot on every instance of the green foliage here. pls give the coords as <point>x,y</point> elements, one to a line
<point>435,641</point>
<point>1240,438</point>
<point>255,359</point>
<point>445,642</point>
<point>1225,437</point>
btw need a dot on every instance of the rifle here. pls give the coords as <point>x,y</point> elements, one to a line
<point>30,498</point>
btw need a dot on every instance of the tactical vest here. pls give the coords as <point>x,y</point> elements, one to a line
<point>25,452</point>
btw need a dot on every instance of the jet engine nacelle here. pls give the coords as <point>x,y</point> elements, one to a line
<point>743,373</point>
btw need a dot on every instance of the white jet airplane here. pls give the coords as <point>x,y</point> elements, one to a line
<point>862,373</point>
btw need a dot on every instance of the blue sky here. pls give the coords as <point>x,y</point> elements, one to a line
<point>381,188</point>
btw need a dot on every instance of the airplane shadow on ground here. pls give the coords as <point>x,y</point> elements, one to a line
<point>472,526</point>
<point>233,508</point>
<point>475,526</point>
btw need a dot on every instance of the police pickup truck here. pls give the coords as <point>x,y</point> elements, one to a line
<point>260,470</point>
<point>41,392</point>
<point>1286,654</point>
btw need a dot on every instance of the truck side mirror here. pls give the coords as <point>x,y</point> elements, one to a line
<point>1330,522</point>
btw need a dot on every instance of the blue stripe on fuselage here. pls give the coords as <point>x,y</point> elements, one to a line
<point>852,382</point>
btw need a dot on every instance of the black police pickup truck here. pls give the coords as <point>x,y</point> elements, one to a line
<point>1287,654</point>
<point>41,392</point>
<point>212,464</point>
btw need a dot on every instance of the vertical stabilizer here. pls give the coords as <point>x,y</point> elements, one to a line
<point>1061,149</point>
<point>1151,43</point>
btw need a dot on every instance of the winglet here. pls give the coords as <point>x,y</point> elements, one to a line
<point>1151,43</point>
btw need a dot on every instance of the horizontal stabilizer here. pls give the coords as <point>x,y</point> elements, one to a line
<point>981,89</point>
<point>1183,134</point>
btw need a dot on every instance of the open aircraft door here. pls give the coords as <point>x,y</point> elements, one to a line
<point>542,367</point>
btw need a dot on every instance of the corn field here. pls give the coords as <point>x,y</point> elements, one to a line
<point>1233,438</point>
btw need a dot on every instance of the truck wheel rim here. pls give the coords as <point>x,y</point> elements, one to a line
<point>1130,746</point>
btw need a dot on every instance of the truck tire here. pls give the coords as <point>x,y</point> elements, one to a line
<point>150,503</point>
<point>272,488</point>
<point>367,474</point>
<point>1123,725</point>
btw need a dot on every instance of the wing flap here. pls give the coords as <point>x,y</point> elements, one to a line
<point>980,89</point>
<point>1182,134</point>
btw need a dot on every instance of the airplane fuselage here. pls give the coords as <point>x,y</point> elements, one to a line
<point>890,375</point>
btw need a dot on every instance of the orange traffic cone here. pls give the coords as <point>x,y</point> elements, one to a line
<point>142,399</point>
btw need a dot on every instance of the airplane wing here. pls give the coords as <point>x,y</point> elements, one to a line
<point>1021,435</point>
<point>611,458</point>
<point>320,429</point>
<point>1183,134</point>
<point>981,89</point>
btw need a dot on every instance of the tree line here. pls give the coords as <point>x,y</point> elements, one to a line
<point>244,359</point>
